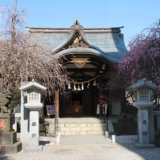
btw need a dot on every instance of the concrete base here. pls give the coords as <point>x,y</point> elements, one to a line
<point>144,145</point>
<point>7,149</point>
<point>33,148</point>
<point>125,139</point>
<point>7,138</point>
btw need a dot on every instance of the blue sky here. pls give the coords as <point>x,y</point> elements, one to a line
<point>134,15</point>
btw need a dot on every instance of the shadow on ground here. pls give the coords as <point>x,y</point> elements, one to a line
<point>4,157</point>
<point>118,151</point>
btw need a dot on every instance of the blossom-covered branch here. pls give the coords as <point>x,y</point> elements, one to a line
<point>23,58</point>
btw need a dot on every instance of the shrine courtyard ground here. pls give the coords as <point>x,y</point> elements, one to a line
<point>86,148</point>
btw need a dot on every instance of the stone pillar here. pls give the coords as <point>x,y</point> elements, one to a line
<point>24,122</point>
<point>33,132</point>
<point>143,126</point>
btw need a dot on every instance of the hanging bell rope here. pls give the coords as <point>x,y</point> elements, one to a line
<point>75,82</point>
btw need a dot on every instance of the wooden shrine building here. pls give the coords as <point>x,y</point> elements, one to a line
<point>89,57</point>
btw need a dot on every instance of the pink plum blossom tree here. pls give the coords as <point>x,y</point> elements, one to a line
<point>143,57</point>
<point>142,60</point>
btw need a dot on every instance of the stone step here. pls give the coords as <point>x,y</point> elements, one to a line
<point>83,129</point>
<point>78,132</point>
<point>88,132</point>
<point>78,126</point>
<point>81,122</point>
<point>83,125</point>
<point>75,120</point>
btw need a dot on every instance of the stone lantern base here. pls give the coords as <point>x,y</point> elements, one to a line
<point>8,143</point>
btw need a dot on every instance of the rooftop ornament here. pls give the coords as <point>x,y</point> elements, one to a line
<point>77,20</point>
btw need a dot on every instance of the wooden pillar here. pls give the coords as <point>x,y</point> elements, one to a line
<point>56,110</point>
<point>57,103</point>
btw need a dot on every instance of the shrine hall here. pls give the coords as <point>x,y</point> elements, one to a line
<point>90,55</point>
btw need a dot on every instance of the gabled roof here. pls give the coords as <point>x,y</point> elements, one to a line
<point>70,41</point>
<point>143,83</point>
<point>106,42</point>
<point>32,84</point>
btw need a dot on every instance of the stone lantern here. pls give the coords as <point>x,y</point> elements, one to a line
<point>31,103</point>
<point>143,90</point>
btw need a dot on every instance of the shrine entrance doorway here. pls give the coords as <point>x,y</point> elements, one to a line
<point>79,103</point>
<point>86,73</point>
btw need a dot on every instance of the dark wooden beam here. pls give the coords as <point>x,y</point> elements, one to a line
<point>82,70</point>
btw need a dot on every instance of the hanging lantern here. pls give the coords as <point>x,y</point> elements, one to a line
<point>82,87</point>
<point>75,87</point>
<point>78,89</point>
<point>88,85</point>
<point>94,83</point>
<point>69,86</point>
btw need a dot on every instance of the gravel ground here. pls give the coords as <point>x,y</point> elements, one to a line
<point>86,148</point>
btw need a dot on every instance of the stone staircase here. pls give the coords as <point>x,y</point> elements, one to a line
<point>78,126</point>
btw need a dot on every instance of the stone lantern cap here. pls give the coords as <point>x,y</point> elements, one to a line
<point>143,83</point>
<point>32,84</point>
<point>33,95</point>
<point>143,95</point>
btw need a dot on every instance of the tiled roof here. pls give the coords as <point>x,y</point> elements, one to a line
<point>108,42</point>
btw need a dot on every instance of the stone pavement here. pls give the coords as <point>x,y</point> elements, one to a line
<point>86,148</point>
<point>87,139</point>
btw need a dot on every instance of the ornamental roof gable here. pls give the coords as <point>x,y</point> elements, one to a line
<point>75,40</point>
